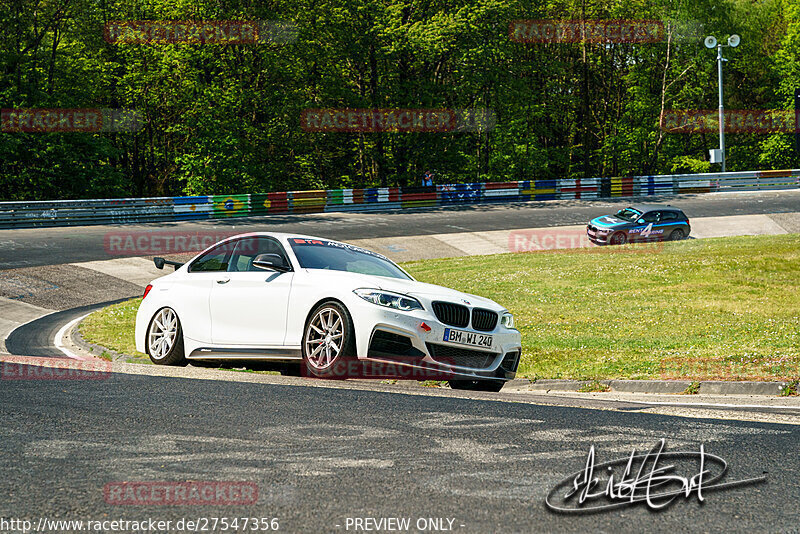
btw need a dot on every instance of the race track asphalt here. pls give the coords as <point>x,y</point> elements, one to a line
<point>320,455</point>
<point>36,338</point>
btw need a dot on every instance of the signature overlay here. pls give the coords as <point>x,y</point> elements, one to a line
<point>643,480</point>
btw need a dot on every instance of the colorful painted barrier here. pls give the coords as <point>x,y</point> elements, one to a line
<point>133,210</point>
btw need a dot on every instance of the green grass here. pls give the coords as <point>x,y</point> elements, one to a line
<point>726,308</point>
<point>113,326</point>
<point>594,387</point>
<point>692,389</point>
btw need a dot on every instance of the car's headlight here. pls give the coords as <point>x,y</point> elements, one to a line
<point>507,320</point>
<point>389,299</point>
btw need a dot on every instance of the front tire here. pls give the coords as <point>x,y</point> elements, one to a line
<point>618,238</point>
<point>164,338</point>
<point>477,385</point>
<point>328,341</point>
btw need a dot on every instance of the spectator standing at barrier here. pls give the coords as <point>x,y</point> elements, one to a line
<point>427,179</point>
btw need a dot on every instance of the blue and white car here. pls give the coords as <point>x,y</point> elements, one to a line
<point>637,223</point>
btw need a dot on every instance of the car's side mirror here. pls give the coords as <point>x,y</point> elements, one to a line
<point>640,221</point>
<point>271,262</point>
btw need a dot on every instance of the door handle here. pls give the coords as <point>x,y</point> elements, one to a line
<point>223,280</point>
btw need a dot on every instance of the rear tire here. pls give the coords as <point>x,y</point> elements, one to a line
<point>477,385</point>
<point>164,338</point>
<point>677,235</point>
<point>618,238</point>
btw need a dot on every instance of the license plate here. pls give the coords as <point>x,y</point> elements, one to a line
<point>467,338</point>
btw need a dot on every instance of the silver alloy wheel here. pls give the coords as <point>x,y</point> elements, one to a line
<point>163,333</point>
<point>324,335</point>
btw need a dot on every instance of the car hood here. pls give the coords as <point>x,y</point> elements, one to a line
<point>427,292</point>
<point>609,221</point>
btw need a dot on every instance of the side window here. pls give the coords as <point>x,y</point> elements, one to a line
<point>248,248</point>
<point>215,259</point>
<point>651,217</point>
<point>669,216</point>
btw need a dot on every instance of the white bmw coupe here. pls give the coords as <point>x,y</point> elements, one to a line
<point>290,298</point>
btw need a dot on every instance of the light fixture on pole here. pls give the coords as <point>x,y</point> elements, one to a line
<point>718,155</point>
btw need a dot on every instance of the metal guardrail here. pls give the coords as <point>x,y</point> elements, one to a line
<point>137,210</point>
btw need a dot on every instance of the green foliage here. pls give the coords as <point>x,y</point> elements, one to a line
<point>688,164</point>
<point>226,118</point>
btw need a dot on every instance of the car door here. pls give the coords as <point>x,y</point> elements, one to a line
<point>249,305</point>
<point>669,222</point>
<point>648,228</point>
<point>190,297</point>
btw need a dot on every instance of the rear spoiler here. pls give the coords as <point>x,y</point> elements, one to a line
<point>160,262</point>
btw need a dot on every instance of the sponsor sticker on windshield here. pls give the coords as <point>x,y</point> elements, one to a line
<point>298,241</point>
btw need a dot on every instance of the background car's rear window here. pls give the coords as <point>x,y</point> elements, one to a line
<point>669,216</point>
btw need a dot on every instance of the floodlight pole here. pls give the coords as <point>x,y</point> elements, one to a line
<point>720,59</point>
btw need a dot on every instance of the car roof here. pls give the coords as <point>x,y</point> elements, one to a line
<point>279,235</point>
<point>285,237</point>
<point>644,208</point>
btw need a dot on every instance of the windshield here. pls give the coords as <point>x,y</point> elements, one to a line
<point>322,254</point>
<point>629,214</point>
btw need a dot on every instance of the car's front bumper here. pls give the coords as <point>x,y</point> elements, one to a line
<point>597,236</point>
<point>411,345</point>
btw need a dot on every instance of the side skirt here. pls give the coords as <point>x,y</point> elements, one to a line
<point>222,353</point>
